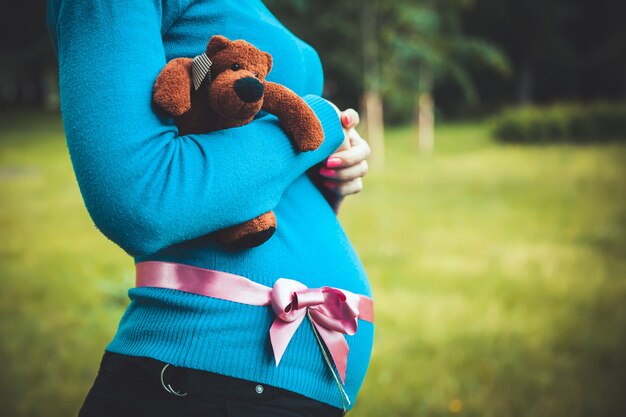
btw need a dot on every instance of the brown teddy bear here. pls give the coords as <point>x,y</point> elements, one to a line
<point>226,87</point>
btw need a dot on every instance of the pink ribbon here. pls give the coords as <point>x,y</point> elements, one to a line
<point>333,312</point>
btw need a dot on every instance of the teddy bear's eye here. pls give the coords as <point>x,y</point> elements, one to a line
<point>256,74</point>
<point>235,67</point>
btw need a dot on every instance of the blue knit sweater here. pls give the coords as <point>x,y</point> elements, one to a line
<point>157,194</point>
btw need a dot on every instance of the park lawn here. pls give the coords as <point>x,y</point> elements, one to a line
<point>499,274</point>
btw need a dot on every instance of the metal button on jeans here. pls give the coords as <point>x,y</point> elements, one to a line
<point>259,389</point>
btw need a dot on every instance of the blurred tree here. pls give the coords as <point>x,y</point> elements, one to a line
<point>407,49</point>
<point>372,100</point>
<point>425,46</point>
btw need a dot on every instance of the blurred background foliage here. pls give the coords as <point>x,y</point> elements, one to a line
<point>478,54</point>
<point>504,246</point>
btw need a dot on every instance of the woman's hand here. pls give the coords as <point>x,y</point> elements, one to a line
<point>343,171</point>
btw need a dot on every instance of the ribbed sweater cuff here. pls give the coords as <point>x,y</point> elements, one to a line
<point>333,138</point>
<point>327,115</point>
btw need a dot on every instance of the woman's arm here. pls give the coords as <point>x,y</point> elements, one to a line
<point>145,187</point>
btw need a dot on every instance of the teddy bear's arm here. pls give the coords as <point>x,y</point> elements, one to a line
<point>172,88</point>
<point>297,119</point>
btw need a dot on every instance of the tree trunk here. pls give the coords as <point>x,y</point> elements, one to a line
<point>372,102</point>
<point>375,128</point>
<point>425,122</point>
<point>425,111</point>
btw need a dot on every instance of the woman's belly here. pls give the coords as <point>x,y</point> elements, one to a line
<point>309,246</point>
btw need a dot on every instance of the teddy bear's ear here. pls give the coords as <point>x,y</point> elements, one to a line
<point>216,44</point>
<point>269,61</point>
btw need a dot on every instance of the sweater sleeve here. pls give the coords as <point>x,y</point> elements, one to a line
<point>144,186</point>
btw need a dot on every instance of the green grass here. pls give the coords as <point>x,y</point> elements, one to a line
<point>499,275</point>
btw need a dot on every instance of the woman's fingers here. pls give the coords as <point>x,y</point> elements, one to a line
<point>359,151</point>
<point>345,168</point>
<point>346,174</point>
<point>349,118</point>
<point>345,188</point>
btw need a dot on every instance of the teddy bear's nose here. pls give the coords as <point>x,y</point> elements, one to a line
<point>249,89</point>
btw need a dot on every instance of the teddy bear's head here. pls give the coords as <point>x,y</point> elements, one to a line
<point>238,70</point>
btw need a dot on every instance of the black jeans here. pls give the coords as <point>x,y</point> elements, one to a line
<point>132,386</point>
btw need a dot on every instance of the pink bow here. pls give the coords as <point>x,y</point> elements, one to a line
<point>333,312</point>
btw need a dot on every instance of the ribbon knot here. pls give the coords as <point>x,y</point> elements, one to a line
<point>333,313</point>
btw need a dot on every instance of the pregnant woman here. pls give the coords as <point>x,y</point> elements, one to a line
<point>196,338</point>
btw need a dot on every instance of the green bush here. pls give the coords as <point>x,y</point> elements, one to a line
<point>597,122</point>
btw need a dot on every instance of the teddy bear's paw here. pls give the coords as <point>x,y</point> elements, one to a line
<point>309,137</point>
<point>250,234</point>
<point>309,144</point>
<point>250,241</point>
<point>171,92</point>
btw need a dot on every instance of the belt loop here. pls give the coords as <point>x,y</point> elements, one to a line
<point>169,388</point>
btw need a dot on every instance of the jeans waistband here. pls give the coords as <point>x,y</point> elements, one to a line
<point>197,383</point>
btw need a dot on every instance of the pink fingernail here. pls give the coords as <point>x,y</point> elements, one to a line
<point>333,162</point>
<point>329,184</point>
<point>347,120</point>
<point>327,172</point>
